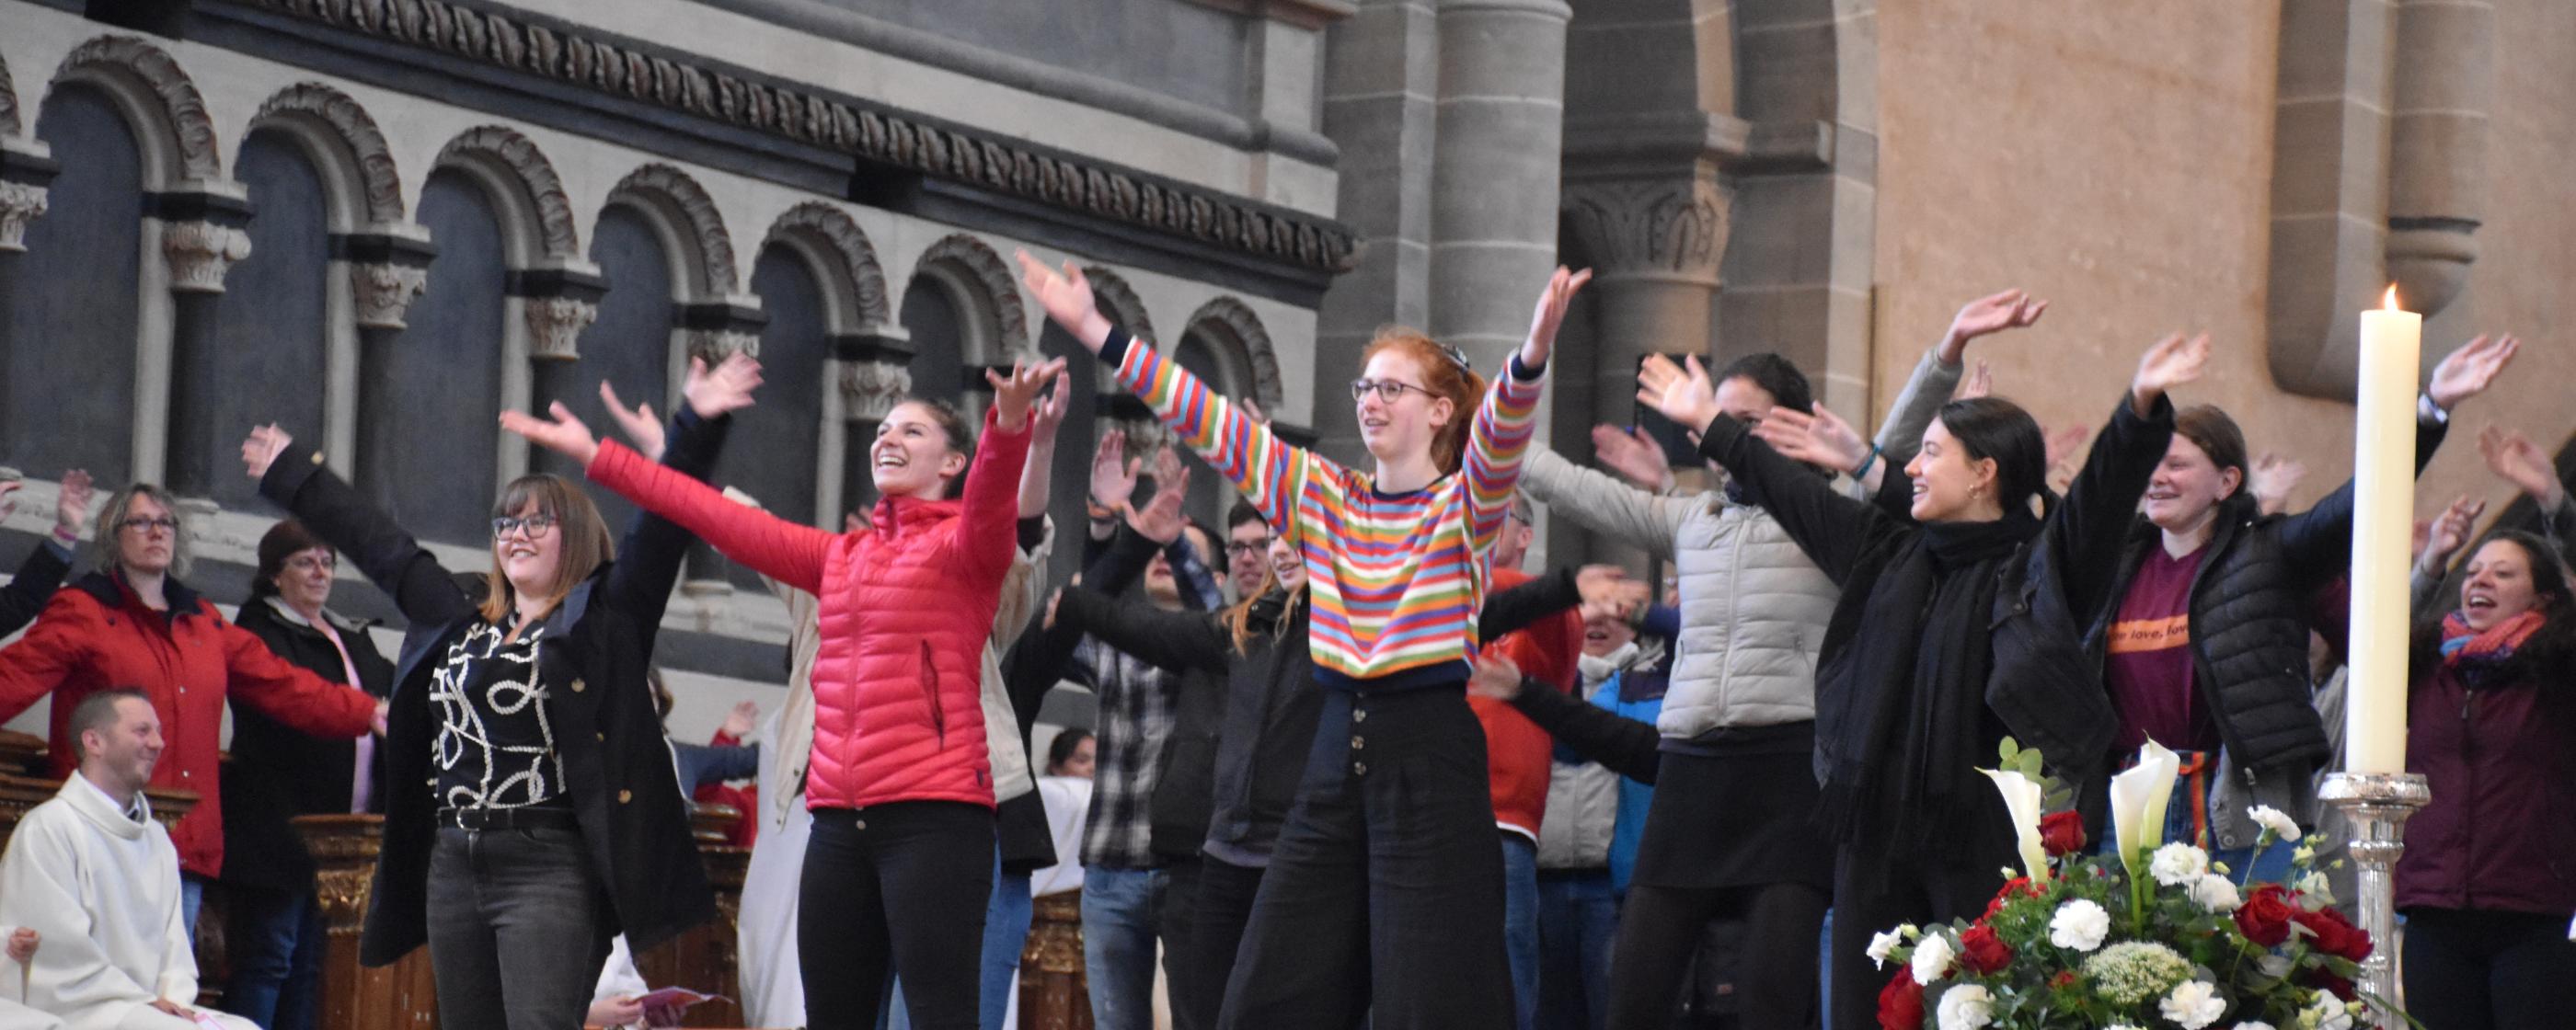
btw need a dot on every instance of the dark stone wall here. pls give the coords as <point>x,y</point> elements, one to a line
<point>67,374</point>
<point>629,346</point>
<point>438,481</point>
<point>270,336</point>
<point>772,456</point>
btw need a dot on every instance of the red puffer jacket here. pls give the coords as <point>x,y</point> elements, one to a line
<point>95,635</point>
<point>906,607</point>
<point>1516,750</point>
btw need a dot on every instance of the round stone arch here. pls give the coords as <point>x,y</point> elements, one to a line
<point>536,213</point>
<point>843,260</point>
<point>1243,345</point>
<point>694,232</point>
<point>973,269</point>
<point>341,139</point>
<point>160,103</point>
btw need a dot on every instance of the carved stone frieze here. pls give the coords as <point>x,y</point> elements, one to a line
<point>20,203</point>
<point>201,253</point>
<point>524,161</point>
<point>378,183</point>
<point>1674,225</point>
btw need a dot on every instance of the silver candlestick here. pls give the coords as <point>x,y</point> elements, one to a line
<point>2377,806</point>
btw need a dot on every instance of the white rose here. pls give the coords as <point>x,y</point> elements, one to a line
<point>2273,819</point>
<point>2123,1026</point>
<point>2176,864</point>
<point>1882,943</point>
<point>2255,1024</point>
<point>1932,958</point>
<point>2080,925</point>
<point>2192,1005</point>
<point>2317,886</point>
<point>2216,893</point>
<point>1966,1007</point>
<point>2326,1012</point>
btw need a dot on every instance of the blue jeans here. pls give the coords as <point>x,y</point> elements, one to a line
<point>2243,864</point>
<point>277,948</point>
<point>1120,910</point>
<point>192,896</point>
<point>1520,925</point>
<point>1825,967</point>
<point>1578,918</point>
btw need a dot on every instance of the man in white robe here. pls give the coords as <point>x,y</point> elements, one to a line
<point>98,880</point>
<point>15,1015</point>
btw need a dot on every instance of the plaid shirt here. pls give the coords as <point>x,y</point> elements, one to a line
<point>1136,718</point>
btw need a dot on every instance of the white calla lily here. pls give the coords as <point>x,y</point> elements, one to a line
<point>2024,799</point>
<point>2138,798</point>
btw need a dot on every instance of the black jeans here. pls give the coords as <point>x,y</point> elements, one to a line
<point>2471,969</point>
<point>1660,929</point>
<point>1176,923</point>
<point>1222,907</point>
<point>517,928</point>
<point>898,889</point>
<point>1384,897</point>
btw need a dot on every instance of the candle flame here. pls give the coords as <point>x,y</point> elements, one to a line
<point>2388,302</point>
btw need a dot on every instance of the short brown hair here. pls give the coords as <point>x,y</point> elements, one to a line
<point>2210,429</point>
<point>585,540</point>
<point>97,711</point>
<point>107,537</point>
<point>284,540</point>
<point>1446,374</point>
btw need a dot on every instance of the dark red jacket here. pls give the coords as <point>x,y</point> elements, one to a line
<point>1516,750</point>
<point>2500,832</point>
<point>96,635</point>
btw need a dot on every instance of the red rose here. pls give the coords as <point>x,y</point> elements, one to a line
<point>2062,833</point>
<point>2064,978</point>
<point>2017,887</point>
<point>1982,951</point>
<point>2326,981</point>
<point>2265,916</point>
<point>2335,935</point>
<point>1900,1003</point>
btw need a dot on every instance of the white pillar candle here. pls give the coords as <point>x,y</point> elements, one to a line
<point>2383,521</point>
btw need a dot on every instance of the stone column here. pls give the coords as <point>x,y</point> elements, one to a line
<point>558,304</point>
<point>717,331</point>
<point>25,169</point>
<point>2437,160</point>
<point>388,270</point>
<point>1494,191</point>
<point>201,238</point>
<point>876,375</point>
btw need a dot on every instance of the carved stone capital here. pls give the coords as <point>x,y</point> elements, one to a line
<point>384,292</point>
<point>871,389</point>
<point>1668,226</point>
<point>20,203</point>
<point>201,253</point>
<point>555,325</point>
<point>715,345</point>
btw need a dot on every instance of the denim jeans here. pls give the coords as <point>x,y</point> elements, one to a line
<point>192,897</point>
<point>1825,968</point>
<point>517,928</point>
<point>1578,917</point>
<point>1520,925</point>
<point>277,947</point>
<point>1120,910</point>
<point>2243,864</point>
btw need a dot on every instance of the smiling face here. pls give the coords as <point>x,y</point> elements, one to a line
<point>913,455</point>
<point>1948,485</point>
<point>304,582</point>
<point>2499,585</point>
<point>1287,564</point>
<point>1604,634</point>
<point>1247,556</point>
<point>1402,428</point>
<point>147,538</point>
<point>528,544</point>
<point>2187,487</point>
<point>120,756</point>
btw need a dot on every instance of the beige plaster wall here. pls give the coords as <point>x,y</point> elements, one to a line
<point>2118,163</point>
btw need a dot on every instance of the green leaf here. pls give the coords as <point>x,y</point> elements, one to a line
<point>2009,749</point>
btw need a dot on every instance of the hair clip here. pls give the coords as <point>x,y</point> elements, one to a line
<point>1456,357</point>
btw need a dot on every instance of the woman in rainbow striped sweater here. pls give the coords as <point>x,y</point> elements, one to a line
<point>1384,897</point>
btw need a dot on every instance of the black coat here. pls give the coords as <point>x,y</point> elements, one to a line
<point>597,647</point>
<point>25,596</point>
<point>277,772</point>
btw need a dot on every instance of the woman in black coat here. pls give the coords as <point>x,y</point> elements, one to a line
<point>1960,623</point>
<point>531,810</point>
<point>279,773</point>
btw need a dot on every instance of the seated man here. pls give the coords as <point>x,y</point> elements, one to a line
<point>13,974</point>
<point>99,881</point>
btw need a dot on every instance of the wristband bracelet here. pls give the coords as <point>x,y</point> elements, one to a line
<point>1866,462</point>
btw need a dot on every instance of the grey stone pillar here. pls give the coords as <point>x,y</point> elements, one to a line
<point>25,170</point>
<point>1496,160</point>
<point>558,304</point>
<point>876,375</point>
<point>201,239</point>
<point>2437,174</point>
<point>387,272</point>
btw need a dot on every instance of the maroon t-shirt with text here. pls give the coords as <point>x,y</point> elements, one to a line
<point>2149,660</point>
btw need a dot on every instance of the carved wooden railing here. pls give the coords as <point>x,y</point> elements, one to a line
<point>1053,993</point>
<point>354,997</point>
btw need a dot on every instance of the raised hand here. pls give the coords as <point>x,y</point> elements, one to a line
<point>2172,362</point>
<point>1495,677</point>
<point>2449,533</point>
<point>1980,382</point>
<point>642,429</point>
<point>2468,371</point>
<point>1251,409</point>
<point>1684,395</point>
<point>1160,520</point>
<point>1066,296</point>
<point>71,504</point>
<point>1015,393</point>
<point>261,448</point>
<point>1113,473</point>
<point>1553,301</point>
<point>565,435</point>
<point>1048,416</point>
<point>1607,591</point>
<point>739,721</point>
<point>1822,439</point>
<point>727,387</point>
<point>2061,444</point>
<point>2011,309</point>
<point>2272,479</point>
<point>1635,456</point>
<point>2513,457</point>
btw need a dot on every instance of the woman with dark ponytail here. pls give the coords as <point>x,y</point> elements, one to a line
<point>1959,624</point>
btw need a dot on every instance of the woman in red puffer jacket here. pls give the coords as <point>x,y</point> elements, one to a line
<point>898,870</point>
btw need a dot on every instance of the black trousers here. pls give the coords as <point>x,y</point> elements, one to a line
<point>2472,969</point>
<point>1660,929</point>
<point>1383,898</point>
<point>1222,907</point>
<point>895,889</point>
<point>1193,999</point>
<point>1869,898</point>
<point>517,928</point>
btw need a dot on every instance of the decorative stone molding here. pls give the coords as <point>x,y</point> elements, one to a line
<point>838,234</point>
<point>201,253</point>
<point>20,203</point>
<point>555,325</point>
<point>1119,301</point>
<point>379,185</point>
<point>115,60</point>
<point>1245,328</point>
<point>675,190</point>
<point>385,290</point>
<point>8,103</point>
<point>719,331</point>
<point>871,389</point>
<point>882,136</point>
<point>1672,226</point>
<point>984,268</point>
<point>521,158</point>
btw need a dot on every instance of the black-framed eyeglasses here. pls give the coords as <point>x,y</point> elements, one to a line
<point>534,525</point>
<point>143,525</point>
<point>1246,548</point>
<point>1387,390</point>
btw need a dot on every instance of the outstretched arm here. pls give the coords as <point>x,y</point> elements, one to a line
<point>2094,520</point>
<point>1832,529</point>
<point>1501,430</point>
<point>1625,746</point>
<point>44,570</point>
<point>292,476</point>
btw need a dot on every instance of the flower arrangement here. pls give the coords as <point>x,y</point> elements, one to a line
<point>2157,937</point>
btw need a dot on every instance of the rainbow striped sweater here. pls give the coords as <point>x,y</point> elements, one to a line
<point>1395,578</point>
